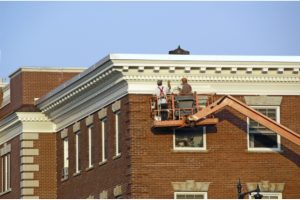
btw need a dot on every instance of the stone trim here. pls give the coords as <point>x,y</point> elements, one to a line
<point>26,144</point>
<point>29,136</point>
<point>27,159</point>
<point>64,133</point>
<point>116,106</point>
<point>102,113</point>
<point>89,120</point>
<point>30,197</point>
<point>263,100</point>
<point>190,186</point>
<point>29,168</point>
<point>27,191</point>
<point>266,186</point>
<point>27,175</point>
<point>29,152</point>
<point>76,127</point>
<point>103,194</point>
<point>118,191</point>
<point>29,183</point>
<point>5,149</point>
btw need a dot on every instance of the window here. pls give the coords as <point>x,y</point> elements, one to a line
<point>118,135</point>
<point>260,137</point>
<point>5,173</point>
<point>268,195</point>
<point>190,138</point>
<point>90,135</point>
<point>104,133</point>
<point>77,152</point>
<point>66,158</point>
<point>190,195</point>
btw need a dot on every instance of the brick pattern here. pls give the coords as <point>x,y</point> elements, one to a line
<point>104,176</point>
<point>46,144</point>
<point>23,94</point>
<point>155,165</point>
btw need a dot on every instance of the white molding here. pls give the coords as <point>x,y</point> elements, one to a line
<point>190,186</point>
<point>24,122</point>
<point>167,57</point>
<point>5,149</point>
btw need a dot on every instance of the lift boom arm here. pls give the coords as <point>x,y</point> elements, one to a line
<point>249,112</point>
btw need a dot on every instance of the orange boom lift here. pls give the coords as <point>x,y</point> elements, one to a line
<point>188,111</point>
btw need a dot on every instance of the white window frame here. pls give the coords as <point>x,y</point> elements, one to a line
<point>6,173</point>
<point>264,149</point>
<point>90,143</point>
<point>190,148</point>
<point>77,152</point>
<point>191,193</point>
<point>103,122</point>
<point>117,132</point>
<point>278,194</point>
<point>66,152</point>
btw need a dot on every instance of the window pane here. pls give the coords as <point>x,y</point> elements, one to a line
<point>180,196</point>
<point>189,137</point>
<point>190,196</point>
<point>259,135</point>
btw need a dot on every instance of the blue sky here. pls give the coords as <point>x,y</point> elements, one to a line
<point>78,34</point>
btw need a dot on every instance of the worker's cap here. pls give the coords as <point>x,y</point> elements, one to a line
<point>159,82</point>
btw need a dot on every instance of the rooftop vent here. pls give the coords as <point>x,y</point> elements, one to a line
<point>179,51</point>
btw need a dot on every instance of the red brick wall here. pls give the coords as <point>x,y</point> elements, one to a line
<point>47,165</point>
<point>15,170</point>
<point>102,177</point>
<point>155,165</point>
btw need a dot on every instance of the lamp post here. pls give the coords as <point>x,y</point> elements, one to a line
<point>241,195</point>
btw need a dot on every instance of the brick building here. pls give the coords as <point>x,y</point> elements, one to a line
<point>75,133</point>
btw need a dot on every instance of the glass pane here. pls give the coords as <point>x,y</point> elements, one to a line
<point>199,196</point>
<point>189,137</point>
<point>180,196</point>
<point>260,136</point>
<point>262,140</point>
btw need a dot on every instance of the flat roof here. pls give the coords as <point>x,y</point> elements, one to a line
<point>47,69</point>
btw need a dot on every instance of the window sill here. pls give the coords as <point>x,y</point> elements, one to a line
<point>264,151</point>
<point>64,179</point>
<point>5,192</point>
<point>116,156</point>
<point>102,162</point>
<point>89,168</point>
<point>77,173</point>
<point>190,151</point>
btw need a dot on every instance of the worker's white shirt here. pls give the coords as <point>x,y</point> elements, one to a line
<point>165,90</point>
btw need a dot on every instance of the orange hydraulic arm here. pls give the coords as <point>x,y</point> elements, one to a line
<point>249,112</point>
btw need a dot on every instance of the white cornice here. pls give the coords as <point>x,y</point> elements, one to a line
<point>24,122</point>
<point>214,58</point>
<point>119,74</point>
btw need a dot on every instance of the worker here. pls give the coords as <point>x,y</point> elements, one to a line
<point>161,94</point>
<point>185,88</point>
